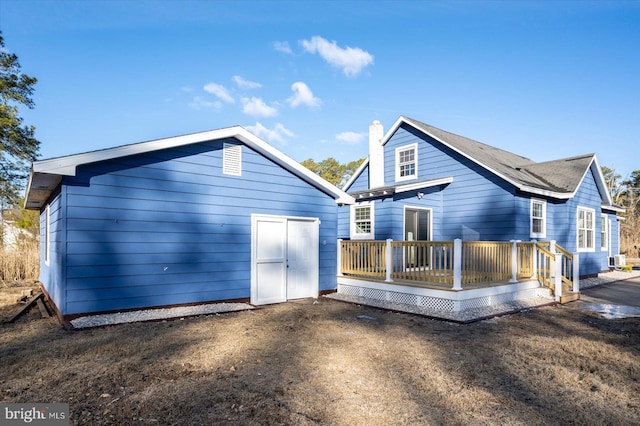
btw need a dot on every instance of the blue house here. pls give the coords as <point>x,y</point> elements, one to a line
<point>423,183</point>
<point>211,216</point>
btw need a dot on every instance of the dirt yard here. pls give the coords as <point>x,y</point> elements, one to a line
<point>331,363</point>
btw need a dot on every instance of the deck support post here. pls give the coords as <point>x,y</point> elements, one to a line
<point>535,259</point>
<point>576,272</point>
<point>389,261</point>
<point>339,259</point>
<point>457,264</point>
<point>514,261</point>
<point>557,276</point>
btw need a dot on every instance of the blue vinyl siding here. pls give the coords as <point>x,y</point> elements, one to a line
<point>167,227</point>
<point>587,196</point>
<point>51,275</point>
<point>362,181</point>
<point>477,205</point>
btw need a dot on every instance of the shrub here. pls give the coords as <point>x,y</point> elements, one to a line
<point>21,262</point>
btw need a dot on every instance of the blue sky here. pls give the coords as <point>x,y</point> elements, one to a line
<point>546,80</point>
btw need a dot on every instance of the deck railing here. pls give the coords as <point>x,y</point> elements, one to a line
<point>485,261</point>
<point>427,261</point>
<point>363,258</point>
<point>457,263</point>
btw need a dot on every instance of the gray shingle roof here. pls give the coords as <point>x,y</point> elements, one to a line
<point>561,176</point>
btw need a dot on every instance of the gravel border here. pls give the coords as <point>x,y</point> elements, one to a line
<point>478,314</point>
<point>468,315</point>
<point>157,314</point>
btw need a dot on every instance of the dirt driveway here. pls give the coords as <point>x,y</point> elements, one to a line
<point>331,363</point>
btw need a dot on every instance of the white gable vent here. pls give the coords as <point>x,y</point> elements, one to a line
<point>232,159</point>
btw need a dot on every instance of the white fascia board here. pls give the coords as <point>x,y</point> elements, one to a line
<point>293,166</point>
<point>546,193</point>
<point>424,184</point>
<point>614,208</point>
<point>464,154</point>
<point>599,177</point>
<point>355,175</point>
<point>66,166</point>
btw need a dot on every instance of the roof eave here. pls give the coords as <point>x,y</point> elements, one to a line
<point>56,168</point>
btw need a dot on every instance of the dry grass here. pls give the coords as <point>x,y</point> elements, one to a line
<point>20,263</point>
<point>332,363</point>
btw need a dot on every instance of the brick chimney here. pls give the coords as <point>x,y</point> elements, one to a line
<point>376,155</point>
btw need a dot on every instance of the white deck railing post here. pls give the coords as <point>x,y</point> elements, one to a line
<point>576,272</point>
<point>389,259</point>
<point>457,264</point>
<point>535,259</point>
<point>514,261</point>
<point>557,276</point>
<point>339,258</point>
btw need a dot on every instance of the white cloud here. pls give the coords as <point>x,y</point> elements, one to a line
<point>246,84</point>
<point>277,134</point>
<point>302,95</point>
<point>199,103</point>
<point>350,59</point>
<point>350,138</point>
<point>220,91</point>
<point>256,107</point>
<point>186,89</point>
<point>282,46</point>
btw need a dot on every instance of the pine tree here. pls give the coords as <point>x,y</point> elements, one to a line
<point>18,146</point>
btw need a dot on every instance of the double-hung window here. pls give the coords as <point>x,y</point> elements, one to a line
<point>538,218</point>
<point>362,221</point>
<point>407,162</point>
<point>604,232</point>
<point>586,229</point>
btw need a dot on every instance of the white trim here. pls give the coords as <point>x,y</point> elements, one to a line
<point>525,188</point>
<point>66,166</point>
<point>542,234</point>
<point>423,184</point>
<point>255,217</point>
<point>593,229</point>
<point>604,218</point>
<point>404,219</point>
<point>411,146</point>
<point>352,221</point>
<point>47,236</point>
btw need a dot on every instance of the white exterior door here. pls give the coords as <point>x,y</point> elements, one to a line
<point>284,259</point>
<point>302,259</point>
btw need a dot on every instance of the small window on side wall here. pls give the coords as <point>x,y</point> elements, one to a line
<point>538,222</point>
<point>407,162</point>
<point>604,232</point>
<point>362,221</point>
<point>586,229</point>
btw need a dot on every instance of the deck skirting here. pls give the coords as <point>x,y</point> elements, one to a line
<point>441,299</point>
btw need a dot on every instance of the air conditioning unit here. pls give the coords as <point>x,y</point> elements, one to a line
<point>619,260</point>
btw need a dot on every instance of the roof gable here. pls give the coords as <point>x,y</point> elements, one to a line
<point>558,179</point>
<point>47,174</point>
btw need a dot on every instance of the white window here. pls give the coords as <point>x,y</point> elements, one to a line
<point>604,232</point>
<point>232,159</point>
<point>538,223</point>
<point>407,162</point>
<point>47,236</point>
<point>362,221</point>
<point>586,227</point>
